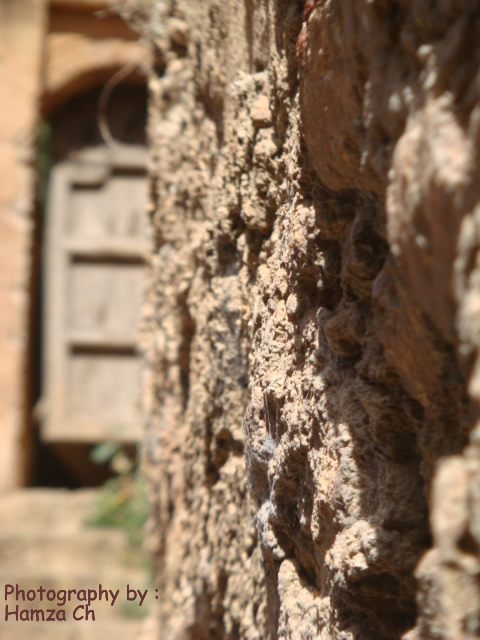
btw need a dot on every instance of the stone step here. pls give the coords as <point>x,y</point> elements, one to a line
<point>99,630</point>
<point>45,541</point>
<point>46,509</point>
<point>96,550</point>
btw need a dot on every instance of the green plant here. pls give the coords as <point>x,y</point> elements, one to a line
<point>122,501</point>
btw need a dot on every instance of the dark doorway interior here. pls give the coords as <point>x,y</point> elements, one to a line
<point>76,124</point>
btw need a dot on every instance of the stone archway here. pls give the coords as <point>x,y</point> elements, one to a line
<point>91,234</point>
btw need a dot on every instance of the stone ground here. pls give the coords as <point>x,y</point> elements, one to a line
<point>44,540</point>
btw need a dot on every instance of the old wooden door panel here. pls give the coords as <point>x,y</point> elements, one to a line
<point>102,390</point>
<point>94,284</point>
<point>104,297</point>
<point>119,200</point>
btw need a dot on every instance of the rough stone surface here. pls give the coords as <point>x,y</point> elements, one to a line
<point>314,305</point>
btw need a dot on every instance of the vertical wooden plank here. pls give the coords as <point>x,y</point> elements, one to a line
<point>55,291</point>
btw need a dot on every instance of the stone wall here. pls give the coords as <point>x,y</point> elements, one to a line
<point>22,24</point>
<point>311,330</point>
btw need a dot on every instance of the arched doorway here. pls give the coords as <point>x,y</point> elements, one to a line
<point>88,288</point>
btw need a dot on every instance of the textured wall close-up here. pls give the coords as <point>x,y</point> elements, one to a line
<point>312,323</point>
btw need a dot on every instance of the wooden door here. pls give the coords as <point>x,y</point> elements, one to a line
<point>94,280</point>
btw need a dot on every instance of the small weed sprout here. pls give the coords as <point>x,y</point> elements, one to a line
<point>122,501</point>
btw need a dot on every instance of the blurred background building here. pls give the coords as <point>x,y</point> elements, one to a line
<point>71,280</point>
<point>72,237</point>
